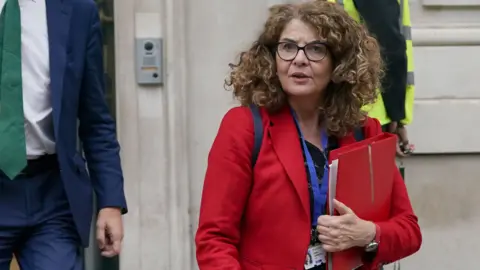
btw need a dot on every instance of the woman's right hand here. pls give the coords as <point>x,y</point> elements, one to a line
<point>338,233</point>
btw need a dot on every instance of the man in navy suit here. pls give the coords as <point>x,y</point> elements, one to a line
<point>51,89</point>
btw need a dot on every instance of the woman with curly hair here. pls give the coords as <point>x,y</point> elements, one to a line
<point>310,72</point>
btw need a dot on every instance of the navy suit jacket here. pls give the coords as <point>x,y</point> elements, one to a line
<point>79,107</point>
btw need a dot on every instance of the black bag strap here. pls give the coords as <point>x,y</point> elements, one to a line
<point>358,134</point>
<point>257,132</point>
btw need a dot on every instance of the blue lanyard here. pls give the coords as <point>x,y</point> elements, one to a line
<point>319,192</point>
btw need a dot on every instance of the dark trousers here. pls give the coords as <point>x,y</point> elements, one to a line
<point>382,18</point>
<point>36,224</point>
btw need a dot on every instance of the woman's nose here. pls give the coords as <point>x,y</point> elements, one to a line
<point>300,59</point>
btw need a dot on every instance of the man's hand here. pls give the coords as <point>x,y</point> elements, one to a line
<point>337,233</point>
<point>110,231</point>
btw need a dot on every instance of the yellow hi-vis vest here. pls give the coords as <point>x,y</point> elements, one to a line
<point>377,110</point>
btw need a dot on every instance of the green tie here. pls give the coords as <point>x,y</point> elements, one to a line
<point>13,157</point>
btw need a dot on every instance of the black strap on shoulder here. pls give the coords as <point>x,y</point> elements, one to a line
<point>358,134</point>
<point>257,132</point>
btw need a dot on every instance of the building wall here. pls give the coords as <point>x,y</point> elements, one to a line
<point>447,56</point>
<point>444,194</point>
<point>152,125</point>
<point>166,131</point>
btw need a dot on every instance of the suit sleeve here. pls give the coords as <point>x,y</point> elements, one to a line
<point>96,126</point>
<point>400,236</point>
<point>382,18</point>
<point>225,192</point>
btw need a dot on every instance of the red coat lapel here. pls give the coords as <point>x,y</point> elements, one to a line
<point>286,143</point>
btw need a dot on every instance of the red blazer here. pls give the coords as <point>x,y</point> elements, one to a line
<point>263,222</point>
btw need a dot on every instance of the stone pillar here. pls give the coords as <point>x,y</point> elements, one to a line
<point>151,130</point>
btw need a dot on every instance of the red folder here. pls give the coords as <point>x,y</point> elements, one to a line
<point>364,182</point>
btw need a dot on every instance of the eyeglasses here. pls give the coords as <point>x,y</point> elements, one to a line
<point>314,52</point>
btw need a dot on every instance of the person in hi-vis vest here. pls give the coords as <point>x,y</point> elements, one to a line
<point>389,21</point>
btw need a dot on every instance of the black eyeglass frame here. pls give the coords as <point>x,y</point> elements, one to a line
<point>301,48</point>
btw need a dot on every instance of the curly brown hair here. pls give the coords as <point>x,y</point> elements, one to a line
<point>356,60</point>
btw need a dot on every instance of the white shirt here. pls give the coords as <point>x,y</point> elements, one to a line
<point>37,105</point>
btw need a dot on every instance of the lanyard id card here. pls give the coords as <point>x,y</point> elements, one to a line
<point>315,256</point>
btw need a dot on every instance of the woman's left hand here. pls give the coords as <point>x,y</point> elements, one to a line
<point>337,233</point>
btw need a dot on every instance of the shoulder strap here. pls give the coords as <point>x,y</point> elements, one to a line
<point>257,132</point>
<point>358,134</point>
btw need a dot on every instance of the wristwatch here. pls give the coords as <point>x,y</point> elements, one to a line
<point>373,245</point>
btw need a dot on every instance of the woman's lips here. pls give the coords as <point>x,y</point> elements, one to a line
<point>300,80</point>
